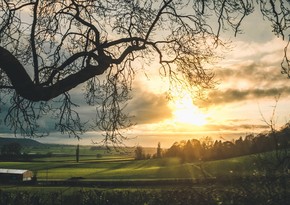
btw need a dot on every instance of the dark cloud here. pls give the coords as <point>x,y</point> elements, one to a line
<point>256,73</point>
<point>148,107</point>
<point>247,81</point>
<point>44,123</point>
<point>218,97</point>
<point>236,127</point>
<point>145,107</point>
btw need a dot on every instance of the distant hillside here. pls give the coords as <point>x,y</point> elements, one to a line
<point>24,142</point>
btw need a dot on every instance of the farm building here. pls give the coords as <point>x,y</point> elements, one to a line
<point>15,175</point>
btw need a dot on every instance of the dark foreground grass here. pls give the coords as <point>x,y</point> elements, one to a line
<point>242,192</point>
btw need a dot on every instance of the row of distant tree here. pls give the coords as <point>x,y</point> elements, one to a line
<point>141,154</point>
<point>11,151</point>
<point>208,149</point>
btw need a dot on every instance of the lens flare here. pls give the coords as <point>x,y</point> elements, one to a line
<point>184,111</point>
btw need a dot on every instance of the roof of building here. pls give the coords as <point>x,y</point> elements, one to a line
<point>12,171</point>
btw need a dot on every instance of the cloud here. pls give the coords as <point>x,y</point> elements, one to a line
<point>236,127</point>
<point>220,97</point>
<point>252,61</point>
<point>253,73</point>
<point>250,31</point>
<point>147,107</point>
<point>255,77</point>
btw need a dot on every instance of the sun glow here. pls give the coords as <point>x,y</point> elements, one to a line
<point>184,111</point>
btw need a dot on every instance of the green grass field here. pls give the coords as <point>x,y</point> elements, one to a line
<point>231,184</point>
<point>112,166</point>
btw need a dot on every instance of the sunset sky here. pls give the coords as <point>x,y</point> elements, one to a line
<point>249,80</point>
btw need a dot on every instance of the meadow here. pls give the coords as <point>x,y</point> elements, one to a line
<point>62,165</point>
<point>102,177</point>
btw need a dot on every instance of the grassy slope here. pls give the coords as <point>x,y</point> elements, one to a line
<point>114,166</point>
<point>128,169</point>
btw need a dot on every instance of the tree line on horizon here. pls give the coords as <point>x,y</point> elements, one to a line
<point>208,149</point>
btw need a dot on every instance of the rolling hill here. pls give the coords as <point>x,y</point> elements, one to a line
<point>24,142</point>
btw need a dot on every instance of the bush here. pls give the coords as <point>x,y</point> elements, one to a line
<point>242,192</point>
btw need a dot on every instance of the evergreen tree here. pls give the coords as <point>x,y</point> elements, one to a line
<point>78,153</point>
<point>159,151</point>
<point>139,153</point>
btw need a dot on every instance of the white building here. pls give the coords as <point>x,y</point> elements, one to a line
<point>14,175</point>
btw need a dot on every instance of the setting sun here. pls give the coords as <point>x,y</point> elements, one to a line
<point>186,112</point>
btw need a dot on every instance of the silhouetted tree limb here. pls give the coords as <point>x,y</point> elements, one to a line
<point>47,48</point>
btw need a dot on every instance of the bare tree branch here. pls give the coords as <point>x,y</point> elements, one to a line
<point>47,48</point>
